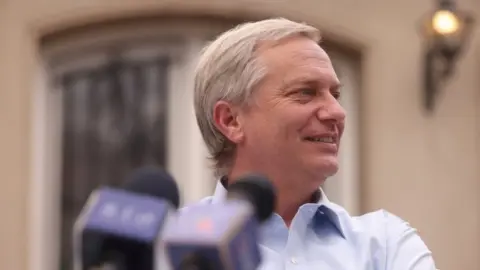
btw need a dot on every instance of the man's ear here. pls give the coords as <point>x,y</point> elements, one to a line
<point>226,118</point>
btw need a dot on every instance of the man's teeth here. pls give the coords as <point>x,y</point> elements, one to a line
<point>322,139</point>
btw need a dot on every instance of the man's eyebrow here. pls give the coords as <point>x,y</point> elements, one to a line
<point>299,80</point>
<point>308,80</point>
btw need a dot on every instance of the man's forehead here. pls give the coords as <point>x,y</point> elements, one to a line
<point>298,59</point>
<point>304,68</point>
<point>296,53</point>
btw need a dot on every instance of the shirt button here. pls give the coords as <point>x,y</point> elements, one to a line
<point>293,260</point>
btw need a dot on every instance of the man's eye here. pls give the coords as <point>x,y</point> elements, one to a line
<point>336,95</point>
<point>308,91</point>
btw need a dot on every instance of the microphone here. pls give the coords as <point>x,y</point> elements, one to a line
<point>221,236</point>
<point>120,227</point>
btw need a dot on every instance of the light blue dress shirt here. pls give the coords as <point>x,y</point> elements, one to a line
<point>323,236</point>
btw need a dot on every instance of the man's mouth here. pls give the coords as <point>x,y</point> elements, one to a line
<point>322,139</point>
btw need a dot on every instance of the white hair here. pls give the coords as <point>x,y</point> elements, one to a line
<point>228,69</point>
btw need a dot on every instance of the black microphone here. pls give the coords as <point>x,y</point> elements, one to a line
<point>222,236</point>
<point>258,191</point>
<point>121,227</point>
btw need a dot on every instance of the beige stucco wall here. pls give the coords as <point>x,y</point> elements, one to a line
<point>425,169</point>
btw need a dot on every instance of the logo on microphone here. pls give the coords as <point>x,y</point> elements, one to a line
<point>205,225</point>
<point>116,213</point>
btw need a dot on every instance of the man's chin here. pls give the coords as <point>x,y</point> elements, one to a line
<point>330,172</point>
<point>327,166</point>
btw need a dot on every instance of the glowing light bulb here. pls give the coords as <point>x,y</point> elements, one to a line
<point>445,22</point>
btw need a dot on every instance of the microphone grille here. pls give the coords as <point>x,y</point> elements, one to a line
<point>259,191</point>
<point>154,182</point>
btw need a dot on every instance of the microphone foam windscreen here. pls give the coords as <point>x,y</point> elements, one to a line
<point>154,182</point>
<point>259,191</point>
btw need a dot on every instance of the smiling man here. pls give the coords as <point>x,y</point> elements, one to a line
<point>266,101</point>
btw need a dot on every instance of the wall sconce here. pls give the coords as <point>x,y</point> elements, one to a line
<point>446,31</point>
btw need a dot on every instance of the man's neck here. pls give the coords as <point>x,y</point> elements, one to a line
<point>289,199</point>
<point>287,207</point>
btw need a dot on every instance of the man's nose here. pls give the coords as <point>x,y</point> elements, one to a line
<point>333,111</point>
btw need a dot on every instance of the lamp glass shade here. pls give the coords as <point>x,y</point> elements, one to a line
<point>445,22</point>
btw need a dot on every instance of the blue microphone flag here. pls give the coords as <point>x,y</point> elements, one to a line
<point>223,234</point>
<point>114,217</point>
<point>126,214</point>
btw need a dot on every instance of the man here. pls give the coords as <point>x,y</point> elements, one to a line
<point>266,101</point>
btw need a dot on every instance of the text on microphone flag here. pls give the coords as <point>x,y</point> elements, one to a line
<point>123,213</point>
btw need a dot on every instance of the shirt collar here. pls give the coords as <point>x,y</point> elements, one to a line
<point>318,200</point>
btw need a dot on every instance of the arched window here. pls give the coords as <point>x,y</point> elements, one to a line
<point>114,97</point>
